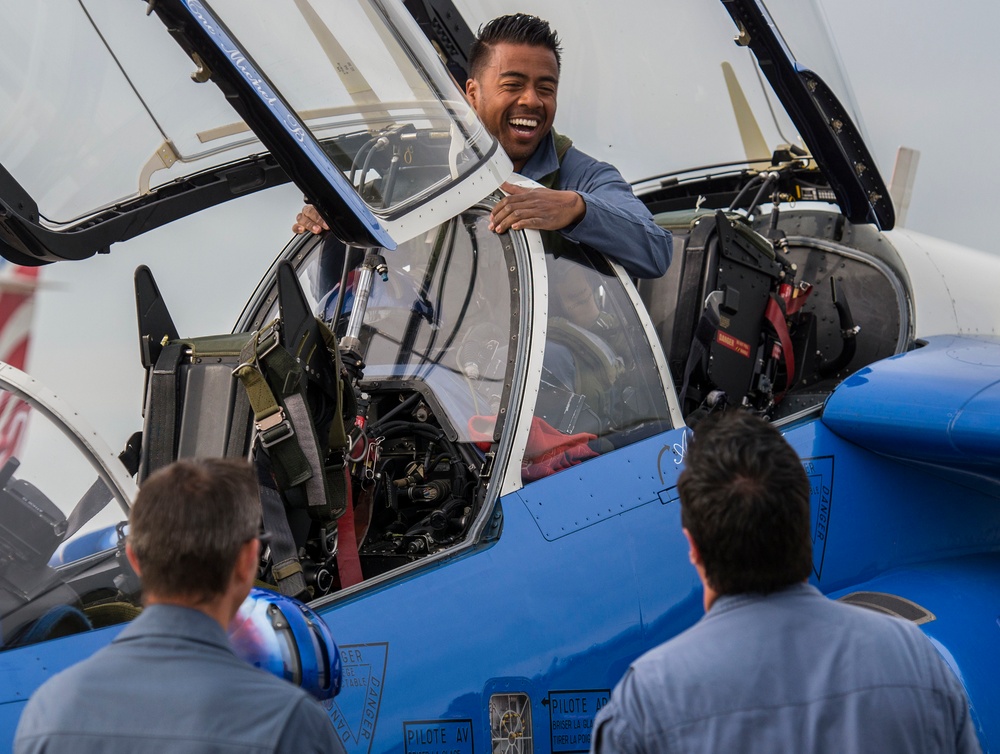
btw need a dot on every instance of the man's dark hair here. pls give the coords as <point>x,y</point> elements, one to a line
<point>516,28</point>
<point>745,502</point>
<point>188,523</point>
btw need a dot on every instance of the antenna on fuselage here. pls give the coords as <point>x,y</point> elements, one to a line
<point>754,144</point>
<point>904,173</point>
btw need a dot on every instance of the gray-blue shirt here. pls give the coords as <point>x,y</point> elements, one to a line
<point>792,671</point>
<point>617,223</point>
<point>170,683</point>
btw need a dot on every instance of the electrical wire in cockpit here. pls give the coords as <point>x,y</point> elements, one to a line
<point>734,205</point>
<point>367,149</point>
<point>765,90</point>
<point>766,181</point>
<point>386,137</point>
<point>350,262</point>
<point>456,327</point>
<point>769,181</point>
<point>425,309</point>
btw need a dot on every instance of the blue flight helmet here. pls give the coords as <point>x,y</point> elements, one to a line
<point>287,638</point>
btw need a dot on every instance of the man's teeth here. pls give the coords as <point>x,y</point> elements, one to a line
<point>524,122</point>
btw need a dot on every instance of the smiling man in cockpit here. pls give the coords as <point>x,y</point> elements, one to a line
<point>514,68</point>
<point>514,79</point>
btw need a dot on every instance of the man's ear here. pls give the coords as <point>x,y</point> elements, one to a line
<point>472,92</point>
<point>133,561</point>
<point>246,562</point>
<point>694,554</point>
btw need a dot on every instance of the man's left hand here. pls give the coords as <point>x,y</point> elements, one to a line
<point>537,208</point>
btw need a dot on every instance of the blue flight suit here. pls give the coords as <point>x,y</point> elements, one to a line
<point>788,672</point>
<point>617,223</point>
<point>170,683</point>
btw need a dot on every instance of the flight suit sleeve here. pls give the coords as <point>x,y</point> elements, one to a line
<point>27,739</point>
<point>616,223</point>
<point>309,731</point>
<point>616,729</point>
<point>966,740</point>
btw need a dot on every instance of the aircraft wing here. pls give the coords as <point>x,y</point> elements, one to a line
<point>939,404</point>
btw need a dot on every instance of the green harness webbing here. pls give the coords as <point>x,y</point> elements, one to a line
<point>285,566</point>
<point>263,354</point>
<point>276,386</point>
<point>562,144</point>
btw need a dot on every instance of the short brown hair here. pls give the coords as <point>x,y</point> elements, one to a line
<point>188,523</point>
<point>745,502</point>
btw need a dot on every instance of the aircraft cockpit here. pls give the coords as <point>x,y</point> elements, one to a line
<point>599,377</point>
<point>468,370</point>
<point>438,331</point>
<point>466,365</point>
<point>59,532</point>
<point>462,433</point>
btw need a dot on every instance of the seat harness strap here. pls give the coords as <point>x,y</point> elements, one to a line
<point>704,334</point>
<point>163,403</point>
<point>779,308</point>
<point>338,478</point>
<point>274,384</point>
<point>286,568</point>
<point>276,431</point>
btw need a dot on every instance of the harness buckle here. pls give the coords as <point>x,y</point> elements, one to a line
<point>335,460</point>
<point>268,336</point>
<point>274,429</point>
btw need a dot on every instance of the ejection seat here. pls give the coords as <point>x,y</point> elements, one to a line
<point>734,334</point>
<point>838,290</point>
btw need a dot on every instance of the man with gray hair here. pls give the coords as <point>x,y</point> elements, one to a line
<point>170,681</point>
<point>774,665</point>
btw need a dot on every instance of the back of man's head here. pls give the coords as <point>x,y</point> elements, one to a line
<point>745,503</point>
<point>188,523</point>
<point>515,28</point>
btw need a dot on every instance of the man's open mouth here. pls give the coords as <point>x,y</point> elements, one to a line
<point>523,126</point>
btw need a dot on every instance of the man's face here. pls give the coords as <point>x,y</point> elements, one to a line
<point>515,97</point>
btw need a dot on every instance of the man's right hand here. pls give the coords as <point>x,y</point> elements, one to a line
<point>309,221</point>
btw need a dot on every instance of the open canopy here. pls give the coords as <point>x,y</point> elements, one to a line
<point>111,128</point>
<point>348,99</point>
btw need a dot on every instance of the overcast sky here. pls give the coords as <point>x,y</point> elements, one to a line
<point>924,74</point>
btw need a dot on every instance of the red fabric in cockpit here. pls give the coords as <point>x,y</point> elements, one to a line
<point>547,451</point>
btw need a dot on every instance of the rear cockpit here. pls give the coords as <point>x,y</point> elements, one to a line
<point>839,289</point>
